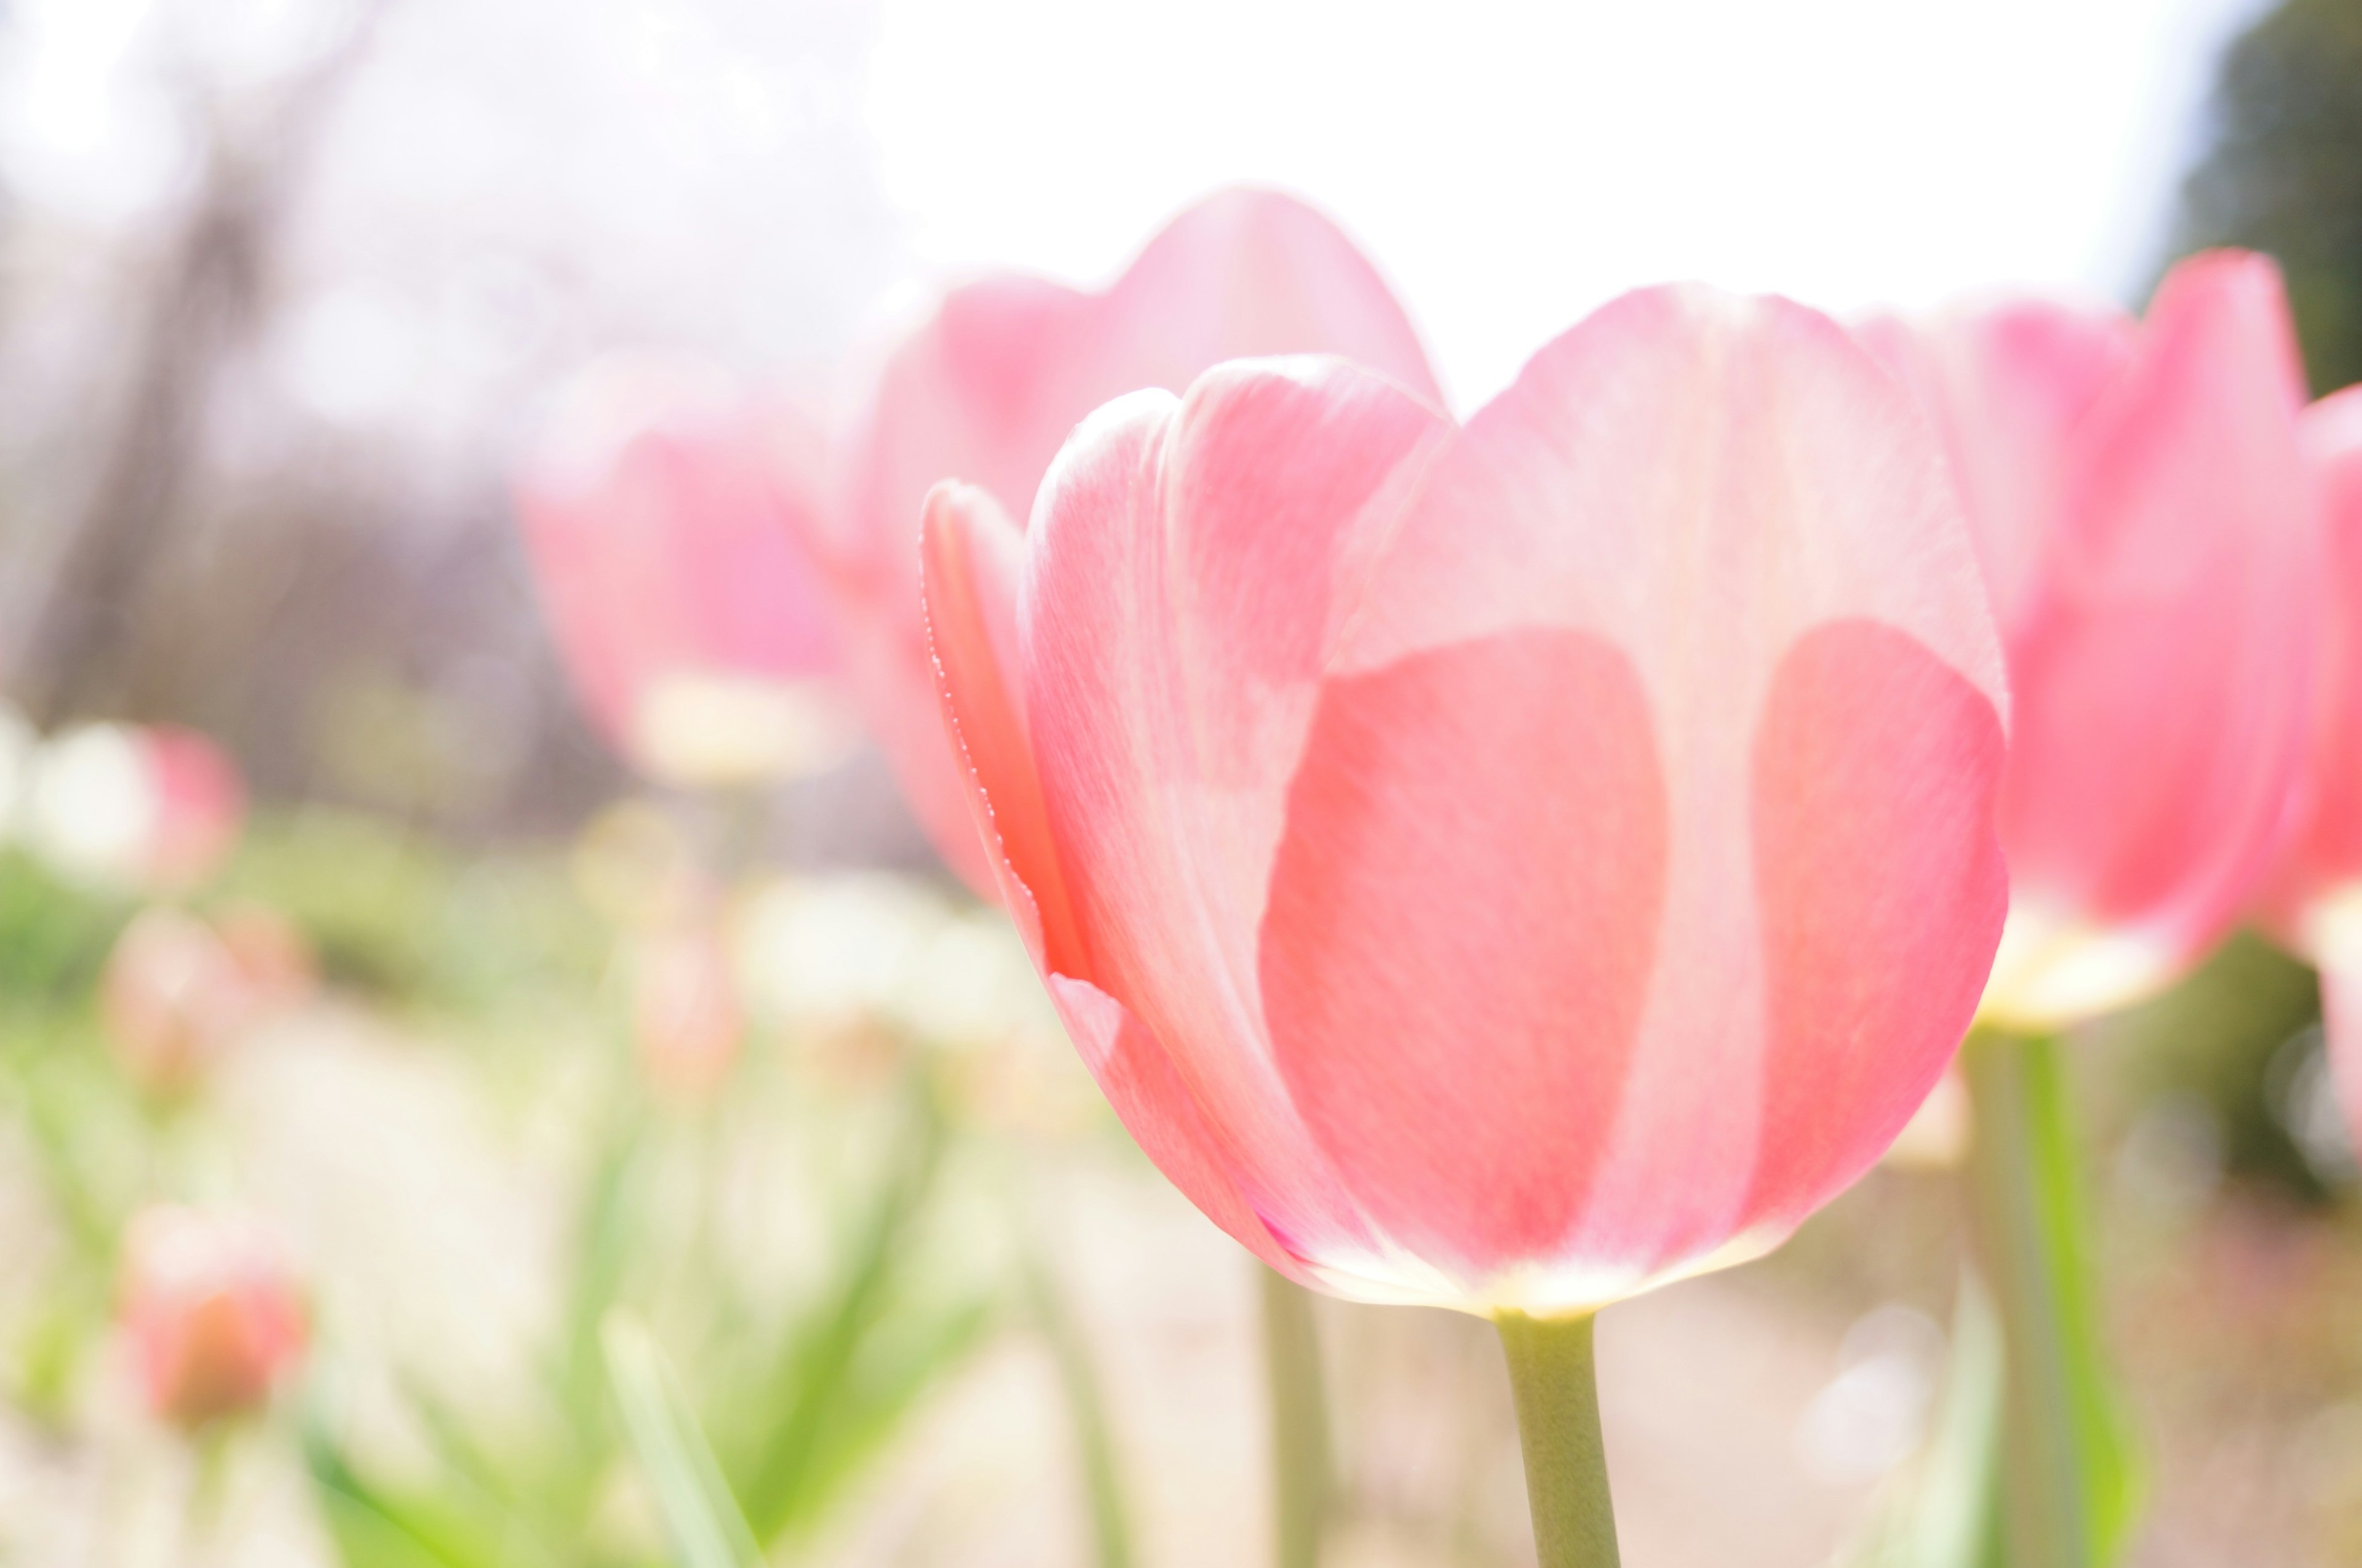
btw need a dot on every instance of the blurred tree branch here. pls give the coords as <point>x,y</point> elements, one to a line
<point>209,292</point>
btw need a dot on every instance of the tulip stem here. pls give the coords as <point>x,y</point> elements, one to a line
<point>1552,1377</point>
<point>2061,1475</point>
<point>1299,1420</point>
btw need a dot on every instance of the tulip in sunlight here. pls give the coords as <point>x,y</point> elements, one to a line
<point>173,997</point>
<point>212,1313</point>
<point>153,808</point>
<point>989,387</point>
<point>665,542</point>
<point>1504,867</point>
<point>2149,538</point>
<point>2315,899</point>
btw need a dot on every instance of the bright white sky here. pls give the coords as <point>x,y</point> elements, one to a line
<point>1512,164</point>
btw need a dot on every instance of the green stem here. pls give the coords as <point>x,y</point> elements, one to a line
<point>1086,1411</point>
<point>2064,1467</point>
<point>1552,1377</point>
<point>1300,1468</point>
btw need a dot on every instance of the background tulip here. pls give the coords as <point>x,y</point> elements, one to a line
<point>2315,898</point>
<point>151,808</point>
<point>662,529</point>
<point>212,1312</point>
<point>992,384</point>
<point>1506,867</point>
<point>2146,526</point>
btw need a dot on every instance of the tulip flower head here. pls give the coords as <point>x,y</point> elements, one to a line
<point>2149,537</point>
<point>989,387</point>
<point>1504,867</point>
<point>173,997</point>
<point>212,1313</point>
<point>663,538</point>
<point>148,808</point>
<point>2314,899</point>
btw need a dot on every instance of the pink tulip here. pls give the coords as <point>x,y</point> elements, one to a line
<point>212,1313</point>
<point>173,997</point>
<point>1505,866</point>
<point>2147,530</point>
<point>2314,900</point>
<point>153,808</point>
<point>666,541</point>
<point>988,388</point>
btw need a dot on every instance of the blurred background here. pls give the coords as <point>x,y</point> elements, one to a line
<point>608,1137</point>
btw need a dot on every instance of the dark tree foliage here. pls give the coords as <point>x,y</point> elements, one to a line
<point>2283,172</point>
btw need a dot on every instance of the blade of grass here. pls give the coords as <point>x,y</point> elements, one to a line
<point>815,1363</point>
<point>1086,1412</point>
<point>700,1514</point>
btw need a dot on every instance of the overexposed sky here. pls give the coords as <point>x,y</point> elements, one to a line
<point>755,178</point>
<point>1511,165</point>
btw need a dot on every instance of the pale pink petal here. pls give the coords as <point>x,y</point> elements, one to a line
<point>990,387</point>
<point>1699,482</point>
<point>974,557</point>
<point>1155,1108</point>
<point>1876,767</point>
<point>2162,670</point>
<point>667,536</point>
<point>1190,564</point>
<point>2327,849</point>
<point>1464,916</point>
<point>2008,387</point>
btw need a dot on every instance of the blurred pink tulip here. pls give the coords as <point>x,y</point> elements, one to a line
<point>2315,899</point>
<point>687,1022</point>
<point>155,808</point>
<point>1506,866</point>
<point>212,1312</point>
<point>2149,538</point>
<point>992,383</point>
<point>172,998</point>
<point>660,514</point>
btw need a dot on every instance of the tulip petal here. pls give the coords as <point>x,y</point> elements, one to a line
<point>990,387</point>
<point>2325,853</point>
<point>2009,387</point>
<point>1462,919</point>
<point>1200,558</point>
<point>1876,767</point>
<point>1155,1108</point>
<point>2161,677</point>
<point>973,554</point>
<point>1699,482</point>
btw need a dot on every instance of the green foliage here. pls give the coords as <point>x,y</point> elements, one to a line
<point>2283,172</point>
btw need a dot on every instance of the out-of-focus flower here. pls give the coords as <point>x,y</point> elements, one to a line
<point>212,1311</point>
<point>272,956</point>
<point>987,388</point>
<point>153,808</point>
<point>172,998</point>
<point>2149,538</point>
<point>664,539</point>
<point>2314,899</point>
<point>686,1020</point>
<point>1504,866</point>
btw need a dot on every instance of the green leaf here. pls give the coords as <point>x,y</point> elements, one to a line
<point>700,1514</point>
<point>1087,1412</point>
<point>2069,1473</point>
<point>375,1527</point>
<point>780,1476</point>
<point>1939,1512</point>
